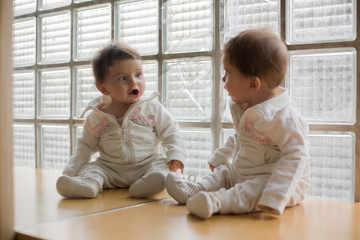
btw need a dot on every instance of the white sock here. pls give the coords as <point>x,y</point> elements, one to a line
<point>77,187</point>
<point>204,204</point>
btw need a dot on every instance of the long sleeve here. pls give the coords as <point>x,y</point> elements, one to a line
<point>169,133</point>
<point>86,145</point>
<point>291,138</point>
<point>224,154</point>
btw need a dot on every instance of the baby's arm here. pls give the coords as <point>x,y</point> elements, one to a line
<point>169,133</point>
<point>223,154</point>
<point>85,147</point>
<point>289,169</point>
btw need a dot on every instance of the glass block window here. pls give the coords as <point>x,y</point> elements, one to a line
<point>150,69</point>
<point>24,145</point>
<point>323,84</point>
<point>198,144</point>
<point>332,165</point>
<point>55,37</point>
<point>24,42</point>
<point>80,1</point>
<point>55,142</point>
<point>181,45</point>
<point>137,25</point>
<point>188,88</point>
<point>24,7</point>
<point>24,94</point>
<point>188,25</point>
<point>240,15</point>
<point>55,93</point>
<point>51,4</point>
<point>84,88</point>
<point>321,21</point>
<point>92,30</point>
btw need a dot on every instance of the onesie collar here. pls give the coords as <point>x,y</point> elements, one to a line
<point>274,104</point>
<point>102,100</point>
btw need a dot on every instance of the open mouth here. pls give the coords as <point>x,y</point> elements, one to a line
<point>134,92</point>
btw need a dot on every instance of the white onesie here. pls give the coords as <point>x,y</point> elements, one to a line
<point>130,150</point>
<point>266,161</point>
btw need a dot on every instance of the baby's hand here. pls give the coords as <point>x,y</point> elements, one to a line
<point>268,209</point>
<point>211,167</point>
<point>175,165</point>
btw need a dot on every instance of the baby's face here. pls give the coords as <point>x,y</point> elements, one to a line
<point>125,81</point>
<point>236,83</point>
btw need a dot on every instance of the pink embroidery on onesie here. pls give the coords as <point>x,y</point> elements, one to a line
<point>103,126</point>
<point>259,136</point>
<point>138,118</point>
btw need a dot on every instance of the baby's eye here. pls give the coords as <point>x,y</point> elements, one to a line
<point>138,74</point>
<point>122,78</point>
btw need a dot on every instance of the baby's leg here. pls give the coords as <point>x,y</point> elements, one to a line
<point>242,198</point>
<point>87,184</point>
<point>223,176</point>
<point>152,182</point>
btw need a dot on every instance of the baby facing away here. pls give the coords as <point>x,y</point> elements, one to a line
<point>264,165</point>
<point>128,130</point>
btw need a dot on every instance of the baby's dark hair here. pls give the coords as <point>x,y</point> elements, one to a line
<point>106,56</point>
<point>258,53</point>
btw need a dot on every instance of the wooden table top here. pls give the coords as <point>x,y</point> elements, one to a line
<point>43,214</point>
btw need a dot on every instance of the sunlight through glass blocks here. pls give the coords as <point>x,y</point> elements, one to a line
<point>51,4</point>
<point>150,68</point>
<point>54,39</point>
<point>24,94</point>
<point>321,21</point>
<point>55,93</point>
<point>240,15</point>
<point>198,145</point>
<point>84,88</point>
<point>332,165</point>
<point>24,145</point>
<point>137,25</point>
<point>24,7</point>
<point>92,30</point>
<point>187,88</point>
<point>80,1</point>
<point>187,25</point>
<point>55,142</point>
<point>323,85</point>
<point>24,42</point>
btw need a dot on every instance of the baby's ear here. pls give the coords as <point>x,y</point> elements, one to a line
<point>101,88</point>
<point>255,84</point>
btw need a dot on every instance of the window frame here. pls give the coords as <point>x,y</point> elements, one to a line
<point>216,125</point>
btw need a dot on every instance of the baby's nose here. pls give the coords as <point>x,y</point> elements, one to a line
<point>224,81</point>
<point>132,81</point>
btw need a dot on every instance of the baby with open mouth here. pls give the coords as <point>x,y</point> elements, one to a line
<point>127,129</point>
<point>134,92</point>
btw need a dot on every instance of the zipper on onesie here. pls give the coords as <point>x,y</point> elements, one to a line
<point>127,146</point>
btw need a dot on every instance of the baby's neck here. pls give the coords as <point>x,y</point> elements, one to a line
<point>265,94</point>
<point>116,109</point>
